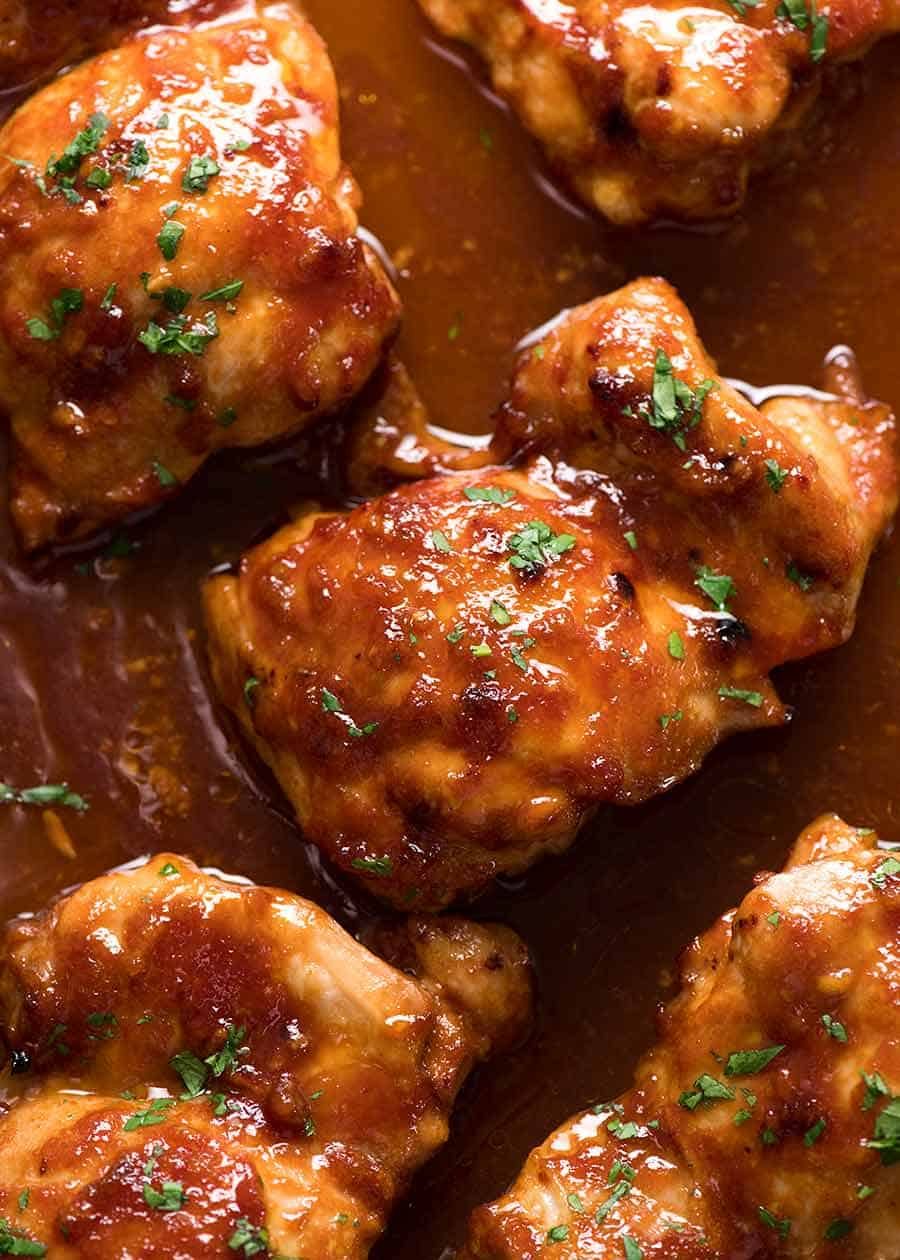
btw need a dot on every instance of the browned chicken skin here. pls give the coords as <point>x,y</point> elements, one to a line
<point>40,36</point>
<point>766,1122</point>
<point>448,679</point>
<point>201,1067</point>
<point>663,109</point>
<point>185,274</point>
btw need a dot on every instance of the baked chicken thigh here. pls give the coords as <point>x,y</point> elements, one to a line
<point>767,1120</point>
<point>199,1067</point>
<point>179,266</point>
<point>662,110</point>
<point>448,679</point>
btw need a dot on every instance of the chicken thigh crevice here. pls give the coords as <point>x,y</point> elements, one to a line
<point>663,110</point>
<point>180,269</point>
<point>199,1067</point>
<point>766,1122</point>
<point>447,680</point>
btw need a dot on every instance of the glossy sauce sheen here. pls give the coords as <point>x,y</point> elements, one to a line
<point>104,684</point>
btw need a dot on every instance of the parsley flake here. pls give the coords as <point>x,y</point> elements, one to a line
<point>706,1090</point>
<point>749,1062</point>
<point>488,494</point>
<point>374,866</point>
<point>675,407</point>
<point>753,698</point>
<point>717,587</point>
<point>536,545</point>
<point>834,1028</point>
<point>200,170</point>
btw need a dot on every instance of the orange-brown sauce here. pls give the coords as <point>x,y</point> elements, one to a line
<point>103,681</point>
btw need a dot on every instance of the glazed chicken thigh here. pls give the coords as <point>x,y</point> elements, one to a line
<point>179,266</point>
<point>765,1122</point>
<point>448,679</point>
<point>662,110</point>
<point>200,1067</point>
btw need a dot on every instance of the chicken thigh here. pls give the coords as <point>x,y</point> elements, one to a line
<point>448,679</point>
<point>179,266</point>
<point>663,110</point>
<point>199,1067</point>
<point>765,1123</point>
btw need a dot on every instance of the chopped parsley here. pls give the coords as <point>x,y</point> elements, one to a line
<point>81,146</point>
<point>374,866</point>
<point>559,1233</point>
<point>193,1072</point>
<point>99,177</point>
<point>629,1246</point>
<point>169,1199</point>
<point>838,1229</point>
<point>776,476</point>
<point>834,1028</point>
<point>169,238</point>
<point>536,545</point>
<point>165,478</point>
<point>13,1244</point>
<point>886,1138</point>
<point>45,794</point>
<point>717,587</point>
<point>138,162</point>
<point>177,338</point>
<point>67,302</point>
<point>675,408</point>
<point>155,1113</point>
<point>676,646</point>
<point>706,1090</point>
<point>225,293</point>
<point>575,1203</point>
<point>782,1227</point>
<point>804,18</point>
<point>250,687</point>
<point>876,1087</point>
<point>793,574</point>
<point>226,1058</point>
<point>753,698</point>
<point>773,919</point>
<point>499,613</point>
<point>252,1240</point>
<point>622,1188</point>
<point>200,170</point>
<point>749,1062</point>
<point>665,719</point>
<point>631,538</point>
<point>879,877</point>
<point>108,296</point>
<point>331,704</point>
<point>440,541</point>
<point>488,494</point>
<point>812,1134</point>
<point>167,870</point>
